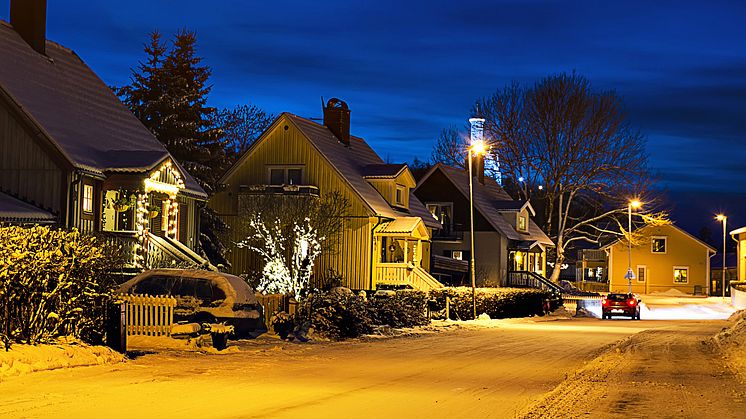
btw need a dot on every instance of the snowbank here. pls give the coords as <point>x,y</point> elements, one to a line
<point>732,342</point>
<point>24,359</point>
<point>199,344</point>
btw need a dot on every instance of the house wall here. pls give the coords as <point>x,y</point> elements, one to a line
<point>26,168</point>
<point>490,255</point>
<point>741,256</point>
<point>286,145</point>
<point>681,250</point>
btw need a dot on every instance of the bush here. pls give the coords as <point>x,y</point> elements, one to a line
<point>340,315</point>
<point>52,283</point>
<point>498,303</point>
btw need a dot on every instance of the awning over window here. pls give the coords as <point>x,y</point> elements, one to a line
<point>404,227</point>
<point>15,211</point>
<point>526,246</point>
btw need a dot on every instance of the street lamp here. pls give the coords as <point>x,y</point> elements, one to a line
<point>635,203</point>
<point>477,148</point>
<point>723,219</point>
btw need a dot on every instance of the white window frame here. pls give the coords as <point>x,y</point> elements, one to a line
<point>403,190</point>
<point>523,229</point>
<point>460,254</point>
<point>680,268</point>
<point>665,244</point>
<point>645,270</point>
<point>87,199</point>
<point>285,168</point>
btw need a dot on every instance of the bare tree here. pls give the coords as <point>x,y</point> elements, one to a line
<point>241,127</point>
<point>572,152</point>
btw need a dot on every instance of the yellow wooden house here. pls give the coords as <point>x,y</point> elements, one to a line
<point>739,235</point>
<point>387,232</point>
<point>668,258</point>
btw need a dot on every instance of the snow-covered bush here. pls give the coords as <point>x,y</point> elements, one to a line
<point>341,315</point>
<point>498,303</point>
<point>52,283</point>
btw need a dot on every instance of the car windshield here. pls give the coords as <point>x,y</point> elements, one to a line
<point>617,297</point>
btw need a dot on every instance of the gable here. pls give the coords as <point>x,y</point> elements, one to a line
<point>669,230</point>
<point>283,144</point>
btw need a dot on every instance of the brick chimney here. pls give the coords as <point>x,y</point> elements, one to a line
<point>337,119</point>
<point>29,19</point>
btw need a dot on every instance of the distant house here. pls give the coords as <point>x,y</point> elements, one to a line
<point>72,155</point>
<point>386,236</point>
<point>669,259</point>
<point>505,235</point>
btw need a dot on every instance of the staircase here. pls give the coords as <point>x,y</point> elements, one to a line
<point>404,275</point>
<point>165,252</point>
<point>526,279</point>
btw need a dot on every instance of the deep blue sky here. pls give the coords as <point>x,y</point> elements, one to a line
<point>408,69</point>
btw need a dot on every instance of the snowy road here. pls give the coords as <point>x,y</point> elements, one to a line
<point>490,372</point>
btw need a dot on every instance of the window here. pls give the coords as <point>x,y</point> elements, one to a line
<point>285,175</point>
<point>680,274</point>
<point>522,223</point>
<point>88,198</point>
<point>443,212</point>
<point>642,273</point>
<point>457,254</point>
<point>400,191</point>
<point>658,245</point>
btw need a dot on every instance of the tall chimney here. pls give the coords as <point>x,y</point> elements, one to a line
<point>29,19</point>
<point>477,134</point>
<point>337,119</point>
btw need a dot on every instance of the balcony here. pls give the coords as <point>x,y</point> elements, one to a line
<point>449,232</point>
<point>300,190</point>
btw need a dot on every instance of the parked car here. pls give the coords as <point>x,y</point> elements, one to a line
<point>204,297</point>
<point>617,304</point>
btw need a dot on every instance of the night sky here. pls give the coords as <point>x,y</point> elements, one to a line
<point>409,70</point>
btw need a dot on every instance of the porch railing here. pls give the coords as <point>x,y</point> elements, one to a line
<point>125,241</point>
<point>527,279</point>
<point>402,274</point>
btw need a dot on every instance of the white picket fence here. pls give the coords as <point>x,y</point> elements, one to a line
<point>148,315</point>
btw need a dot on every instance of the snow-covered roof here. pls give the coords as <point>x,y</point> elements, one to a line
<point>76,111</point>
<point>15,211</point>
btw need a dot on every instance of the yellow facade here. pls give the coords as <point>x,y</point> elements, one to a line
<point>740,237</point>
<point>285,145</point>
<point>683,264</point>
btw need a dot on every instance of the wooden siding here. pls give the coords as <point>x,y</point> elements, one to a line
<point>26,170</point>
<point>285,145</point>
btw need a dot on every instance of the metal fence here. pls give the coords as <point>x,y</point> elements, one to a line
<point>147,315</point>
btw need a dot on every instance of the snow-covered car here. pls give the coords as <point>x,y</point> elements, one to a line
<point>204,297</point>
<point>618,304</point>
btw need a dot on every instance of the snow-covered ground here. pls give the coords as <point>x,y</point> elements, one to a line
<point>24,359</point>
<point>490,368</point>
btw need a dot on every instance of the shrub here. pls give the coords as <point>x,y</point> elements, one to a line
<point>52,283</point>
<point>498,303</point>
<point>340,315</point>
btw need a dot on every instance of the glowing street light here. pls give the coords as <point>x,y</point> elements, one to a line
<point>723,219</point>
<point>635,203</point>
<point>477,148</point>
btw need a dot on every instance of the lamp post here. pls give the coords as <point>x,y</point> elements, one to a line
<point>477,148</point>
<point>635,203</point>
<point>723,219</point>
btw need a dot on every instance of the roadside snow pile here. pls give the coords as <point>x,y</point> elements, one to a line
<point>199,344</point>
<point>671,292</point>
<point>732,342</point>
<point>24,359</point>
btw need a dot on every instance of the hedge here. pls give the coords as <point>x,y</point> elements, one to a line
<point>498,303</point>
<point>52,283</point>
<point>340,315</point>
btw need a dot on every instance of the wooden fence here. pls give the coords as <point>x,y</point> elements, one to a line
<point>272,303</point>
<point>147,315</point>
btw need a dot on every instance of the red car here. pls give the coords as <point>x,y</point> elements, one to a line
<point>620,305</point>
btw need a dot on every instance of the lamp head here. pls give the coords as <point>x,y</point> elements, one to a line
<point>720,217</point>
<point>635,203</point>
<point>478,147</point>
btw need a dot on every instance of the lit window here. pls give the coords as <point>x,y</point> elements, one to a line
<point>658,245</point>
<point>641,273</point>
<point>522,223</point>
<point>680,274</point>
<point>457,254</point>
<point>87,198</point>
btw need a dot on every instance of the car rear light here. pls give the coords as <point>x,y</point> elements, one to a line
<point>604,302</point>
<point>632,302</point>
